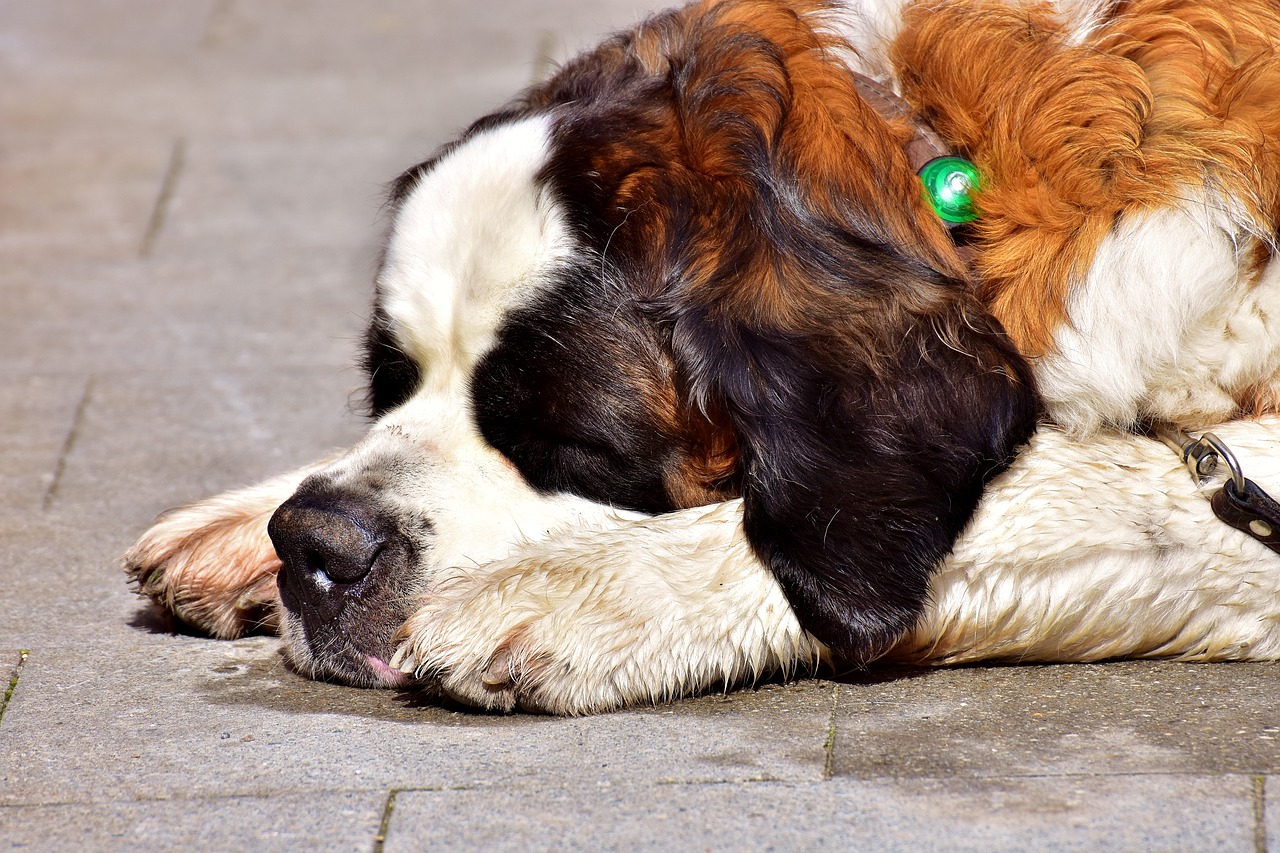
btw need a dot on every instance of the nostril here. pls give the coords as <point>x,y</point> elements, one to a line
<point>314,562</point>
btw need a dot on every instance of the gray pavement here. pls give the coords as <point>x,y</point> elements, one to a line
<point>189,194</point>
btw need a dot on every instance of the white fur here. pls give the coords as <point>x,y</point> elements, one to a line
<point>1166,323</point>
<point>1082,551</point>
<point>432,464</point>
<point>869,28</point>
<point>1082,18</point>
<point>475,238</point>
<point>1087,550</point>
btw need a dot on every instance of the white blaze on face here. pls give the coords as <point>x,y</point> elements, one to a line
<point>475,238</point>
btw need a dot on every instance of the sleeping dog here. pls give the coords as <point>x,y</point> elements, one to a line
<point>679,378</point>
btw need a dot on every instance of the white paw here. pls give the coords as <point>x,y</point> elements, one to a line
<point>515,638</point>
<point>596,620</point>
<point>211,564</point>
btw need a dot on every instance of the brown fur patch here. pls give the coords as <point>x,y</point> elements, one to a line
<point>1167,94</point>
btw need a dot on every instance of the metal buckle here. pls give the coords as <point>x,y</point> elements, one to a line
<point>1240,503</point>
<point>1201,455</point>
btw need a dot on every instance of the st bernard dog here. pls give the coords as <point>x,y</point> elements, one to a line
<point>678,378</point>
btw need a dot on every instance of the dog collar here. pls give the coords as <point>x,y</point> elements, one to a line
<point>949,181</point>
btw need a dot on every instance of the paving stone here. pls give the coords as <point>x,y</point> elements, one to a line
<point>37,416</point>
<point>187,232</point>
<point>149,440</point>
<point>144,443</point>
<point>42,36</point>
<point>183,716</point>
<point>1127,717</point>
<point>301,70</point>
<point>320,820</point>
<point>1074,813</point>
<point>186,314</point>
<point>78,195</point>
<point>287,196</point>
<point>53,590</point>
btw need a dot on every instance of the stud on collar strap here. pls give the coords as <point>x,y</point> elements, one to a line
<point>1239,502</point>
<point>949,184</point>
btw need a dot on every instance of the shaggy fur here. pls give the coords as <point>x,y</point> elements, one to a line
<point>678,381</point>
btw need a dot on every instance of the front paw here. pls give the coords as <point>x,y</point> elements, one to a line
<point>593,620</point>
<point>512,639</point>
<point>211,564</point>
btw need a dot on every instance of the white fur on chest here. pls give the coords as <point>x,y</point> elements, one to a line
<point>1169,322</point>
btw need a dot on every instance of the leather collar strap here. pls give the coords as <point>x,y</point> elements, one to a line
<point>926,145</point>
<point>1251,511</point>
<point>947,180</point>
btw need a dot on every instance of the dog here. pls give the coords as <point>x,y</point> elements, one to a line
<point>678,379</point>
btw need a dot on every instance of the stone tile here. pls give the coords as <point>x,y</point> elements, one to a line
<point>267,310</point>
<point>286,196</point>
<point>1083,813</point>
<point>399,38</point>
<point>37,416</point>
<point>176,716</point>
<point>83,195</point>
<point>1129,717</point>
<point>320,820</point>
<point>148,440</point>
<point>61,586</point>
<point>298,70</point>
<point>144,443</point>
<point>41,36</point>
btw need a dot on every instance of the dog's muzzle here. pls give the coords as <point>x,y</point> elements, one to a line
<point>330,544</point>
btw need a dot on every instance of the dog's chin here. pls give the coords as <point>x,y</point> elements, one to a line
<point>332,656</point>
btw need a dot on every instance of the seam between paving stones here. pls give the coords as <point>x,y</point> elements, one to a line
<point>380,840</point>
<point>394,793</point>
<point>778,780</point>
<point>13,681</point>
<point>1260,840</point>
<point>77,419</point>
<point>160,210</point>
<point>828,766</point>
<point>1260,814</point>
<point>275,793</point>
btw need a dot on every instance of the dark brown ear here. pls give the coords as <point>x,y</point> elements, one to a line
<point>814,299</point>
<point>864,451</point>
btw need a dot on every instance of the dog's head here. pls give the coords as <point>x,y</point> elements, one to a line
<point>693,265</point>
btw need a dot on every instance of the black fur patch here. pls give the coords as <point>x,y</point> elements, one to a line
<point>392,375</point>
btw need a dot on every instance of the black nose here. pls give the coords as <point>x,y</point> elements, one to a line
<point>326,540</point>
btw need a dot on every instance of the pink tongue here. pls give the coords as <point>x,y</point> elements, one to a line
<point>386,673</point>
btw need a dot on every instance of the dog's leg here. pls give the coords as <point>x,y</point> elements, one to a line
<point>587,621</point>
<point>211,563</point>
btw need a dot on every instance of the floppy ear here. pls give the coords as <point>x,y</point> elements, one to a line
<point>817,302</point>
<point>859,478</point>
